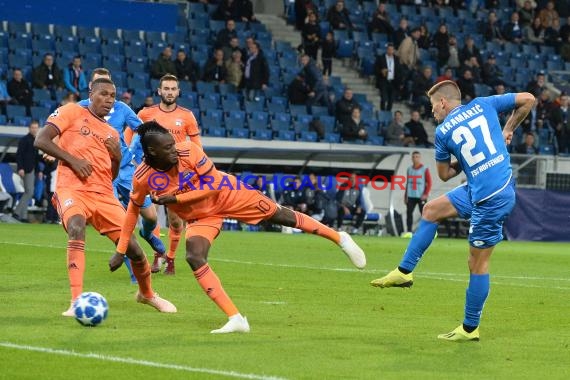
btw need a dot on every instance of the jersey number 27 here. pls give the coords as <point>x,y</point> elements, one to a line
<point>469,150</point>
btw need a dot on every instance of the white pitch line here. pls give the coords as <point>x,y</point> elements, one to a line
<point>435,275</point>
<point>118,359</point>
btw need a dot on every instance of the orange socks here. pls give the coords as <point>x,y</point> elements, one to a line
<point>174,235</point>
<point>75,266</point>
<point>156,231</point>
<point>312,226</point>
<point>213,288</point>
<point>141,270</point>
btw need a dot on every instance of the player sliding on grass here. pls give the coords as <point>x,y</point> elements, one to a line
<point>471,133</point>
<point>89,155</point>
<point>184,179</point>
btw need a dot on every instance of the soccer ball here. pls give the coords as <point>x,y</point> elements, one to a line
<point>90,309</point>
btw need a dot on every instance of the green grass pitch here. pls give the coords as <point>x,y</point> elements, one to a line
<point>312,315</point>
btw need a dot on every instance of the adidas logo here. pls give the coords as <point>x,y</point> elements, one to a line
<point>72,266</point>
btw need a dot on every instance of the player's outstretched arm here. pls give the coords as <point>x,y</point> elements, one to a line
<point>129,224</point>
<point>44,142</point>
<point>524,102</point>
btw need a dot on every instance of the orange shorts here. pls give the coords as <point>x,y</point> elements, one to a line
<point>103,211</point>
<point>249,207</point>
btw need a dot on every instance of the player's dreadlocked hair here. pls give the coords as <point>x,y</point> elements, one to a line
<point>147,131</point>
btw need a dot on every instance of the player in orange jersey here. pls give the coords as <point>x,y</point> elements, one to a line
<point>89,156</point>
<point>182,124</point>
<point>184,179</point>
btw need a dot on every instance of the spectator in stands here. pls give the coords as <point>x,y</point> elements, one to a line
<point>302,7</point>
<point>50,168</point>
<point>27,158</point>
<point>19,90</point>
<point>227,10</point>
<point>349,203</point>
<point>127,98</point>
<point>297,91</point>
<point>548,15</point>
<point>318,93</point>
<point>293,196</point>
<point>528,147</point>
<point>424,41</point>
<point>491,73</point>
<point>328,52</point>
<point>552,35</point>
<point>4,97</point>
<point>534,33</point>
<point>344,106</point>
<point>492,30</point>
<point>512,31</point>
<point>538,85</point>
<point>441,43</point>
<point>380,22</point>
<point>74,77</point>
<point>446,75</point>
<point>395,131</point>
<point>472,65</point>
<point>409,53</point>
<point>185,68</point>
<point>560,119</point>
<point>526,13</point>
<point>565,30</point>
<point>388,77</point>
<point>233,46</point>
<point>6,200</point>
<point>467,86</point>
<point>565,49</point>
<point>163,64</point>
<point>337,16</point>
<point>401,33</point>
<point>311,36</point>
<point>354,129</point>
<point>453,60</point>
<point>246,13</point>
<point>235,68</point>
<point>256,72</point>
<point>418,187</point>
<point>469,50</point>
<point>415,130</point>
<point>225,35</point>
<point>545,107</point>
<point>215,69</point>
<point>47,75</point>
<point>422,83</point>
<point>148,102</point>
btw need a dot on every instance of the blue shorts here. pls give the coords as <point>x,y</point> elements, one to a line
<point>123,194</point>
<point>487,217</point>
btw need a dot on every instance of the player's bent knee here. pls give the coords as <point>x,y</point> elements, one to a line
<point>76,227</point>
<point>134,250</point>
<point>197,252</point>
<point>284,217</point>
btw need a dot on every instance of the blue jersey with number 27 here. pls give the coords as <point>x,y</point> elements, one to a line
<point>472,133</point>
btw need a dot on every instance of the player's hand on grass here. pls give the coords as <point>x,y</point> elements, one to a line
<point>81,167</point>
<point>163,199</point>
<point>116,261</point>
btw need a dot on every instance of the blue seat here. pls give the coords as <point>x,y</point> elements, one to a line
<point>40,30</point>
<point>114,63</point>
<point>274,107</point>
<point>319,111</point>
<point>375,140</point>
<point>40,113</point>
<point>226,88</point>
<point>205,87</point>
<point>230,104</point>
<point>210,120</point>
<point>13,111</point>
<point>236,119</point>
<point>262,134</point>
<point>22,41</point>
<point>6,172</point>
<point>308,136</point>
<point>15,28</point>
<point>297,109</point>
<point>285,135</point>
<point>253,106</point>
<point>207,102</point>
<point>216,132</point>
<point>238,133</point>
<point>546,150</point>
<point>85,32</point>
<point>21,121</point>
<point>331,137</point>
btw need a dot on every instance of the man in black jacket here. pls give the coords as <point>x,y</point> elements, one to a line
<point>27,159</point>
<point>256,72</point>
<point>387,70</point>
<point>47,75</point>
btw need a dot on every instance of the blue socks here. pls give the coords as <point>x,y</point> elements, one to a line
<point>420,242</point>
<point>147,228</point>
<point>476,295</point>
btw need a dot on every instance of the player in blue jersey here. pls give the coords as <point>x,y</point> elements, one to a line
<point>472,134</point>
<point>120,117</point>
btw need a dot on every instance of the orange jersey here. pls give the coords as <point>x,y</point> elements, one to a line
<point>180,122</point>
<point>202,192</point>
<point>83,134</point>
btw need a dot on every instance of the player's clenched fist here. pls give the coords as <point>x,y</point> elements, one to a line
<point>114,148</point>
